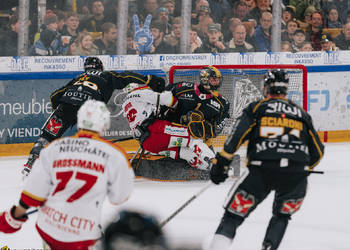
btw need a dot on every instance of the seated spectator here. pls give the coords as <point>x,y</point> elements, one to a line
<point>173,39</point>
<point>314,31</point>
<point>333,20</point>
<point>261,7</point>
<point>201,9</point>
<point>9,38</point>
<point>298,40</point>
<point>47,45</point>
<point>147,7</point>
<point>342,41</point>
<point>219,9</point>
<point>159,46</point>
<point>214,42</point>
<point>231,26</point>
<point>94,22</point>
<point>286,46</point>
<point>327,44</point>
<point>238,42</point>
<point>70,28</point>
<point>347,17</point>
<point>85,45</point>
<point>130,44</point>
<point>202,27</point>
<point>306,21</point>
<point>301,5</point>
<point>291,27</point>
<point>240,10</point>
<point>163,17</point>
<point>251,4</point>
<point>170,6</point>
<point>262,34</point>
<point>306,46</point>
<point>107,45</point>
<point>288,14</point>
<point>61,17</point>
<point>195,41</point>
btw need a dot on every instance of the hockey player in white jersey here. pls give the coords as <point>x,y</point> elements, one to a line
<point>70,181</point>
<point>141,108</point>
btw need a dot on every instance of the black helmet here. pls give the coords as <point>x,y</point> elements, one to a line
<point>276,82</point>
<point>134,230</point>
<point>93,63</point>
<point>208,72</point>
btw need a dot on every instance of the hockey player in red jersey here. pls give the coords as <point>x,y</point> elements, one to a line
<point>162,137</point>
<point>70,181</point>
<point>94,83</point>
<point>281,143</point>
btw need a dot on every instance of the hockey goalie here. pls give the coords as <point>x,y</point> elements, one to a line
<point>141,108</point>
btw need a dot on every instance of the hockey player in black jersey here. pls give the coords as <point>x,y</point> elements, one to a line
<point>94,83</point>
<point>200,106</point>
<point>282,142</point>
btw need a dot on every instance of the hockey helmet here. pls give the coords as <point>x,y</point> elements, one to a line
<point>276,82</point>
<point>205,77</point>
<point>93,115</point>
<point>93,63</point>
<point>134,230</point>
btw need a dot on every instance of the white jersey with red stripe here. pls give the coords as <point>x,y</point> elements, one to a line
<point>70,181</point>
<point>141,103</point>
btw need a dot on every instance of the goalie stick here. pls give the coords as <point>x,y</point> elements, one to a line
<point>199,192</point>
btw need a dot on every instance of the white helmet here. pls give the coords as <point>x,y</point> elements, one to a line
<point>93,115</point>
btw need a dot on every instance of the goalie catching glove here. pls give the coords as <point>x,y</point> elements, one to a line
<point>219,169</point>
<point>9,224</point>
<point>198,127</point>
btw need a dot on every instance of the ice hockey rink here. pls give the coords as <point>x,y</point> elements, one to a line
<point>322,223</point>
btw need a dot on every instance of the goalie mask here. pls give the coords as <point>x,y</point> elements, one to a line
<point>276,82</point>
<point>134,231</point>
<point>210,77</point>
<point>93,63</point>
<point>93,115</point>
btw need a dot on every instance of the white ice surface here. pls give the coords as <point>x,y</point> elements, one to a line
<point>323,222</point>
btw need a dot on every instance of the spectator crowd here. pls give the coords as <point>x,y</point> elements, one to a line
<point>154,27</point>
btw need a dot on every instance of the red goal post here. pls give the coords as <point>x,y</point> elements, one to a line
<point>243,84</point>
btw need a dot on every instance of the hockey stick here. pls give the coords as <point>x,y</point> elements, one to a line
<point>32,212</point>
<point>315,172</point>
<point>136,153</point>
<point>123,139</point>
<point>209,184</point>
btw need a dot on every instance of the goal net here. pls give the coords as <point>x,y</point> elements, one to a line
<point>243,84</point>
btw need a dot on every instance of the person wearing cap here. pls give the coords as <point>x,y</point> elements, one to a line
<point>343,40</point>
<point>214,42</point>
<point>163,17</point>
<point>50,41</point>
<point>299,38</point>
<point>305,22</point>
<point>288,14</point>
<point>159,46</point>
<point>169,5</point>
<point>327,44</point>
<point>302,5</point>
<point>238,42</point>
<point>262,34</point>
<point>201,9</point>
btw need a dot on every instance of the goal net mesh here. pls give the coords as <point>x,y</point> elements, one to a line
<point>243,84</point>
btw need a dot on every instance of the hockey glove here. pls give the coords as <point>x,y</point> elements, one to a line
<point>9,224</point>
<point>156,83</point>
<point>201,130</point>
<point>219,169</point>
